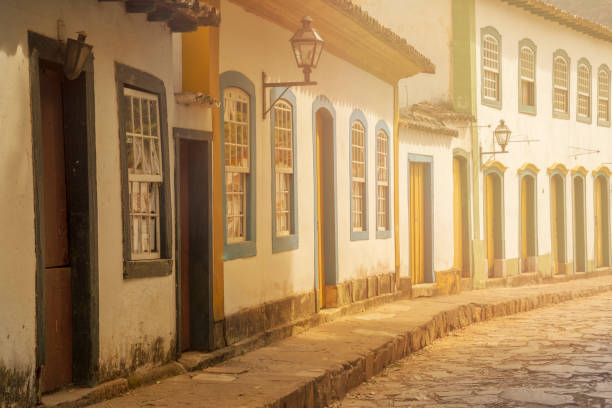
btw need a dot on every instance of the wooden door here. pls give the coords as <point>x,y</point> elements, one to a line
<point>320,215</point>
<point>524,224</point>
<point>579,225</point>
<point>458,214</point>
<point>490,222</point>
<point>417,223</point>
<point>185,245</point>
<point>57,370</point>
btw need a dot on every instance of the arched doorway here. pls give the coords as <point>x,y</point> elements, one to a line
<point>420,200</point>
<point>325,197</point>
<point>461,216</point>
<point>528,217</point>
<point>602,220</point>
<point>557,221</point>
<point>494,219</point>
<point>578,192</point>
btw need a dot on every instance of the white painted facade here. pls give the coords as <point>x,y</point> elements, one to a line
<point>555,136</point>
<point>250,45</point>
<point>136,315</point>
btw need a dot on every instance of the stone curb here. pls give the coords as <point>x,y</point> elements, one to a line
<point>334,384</point>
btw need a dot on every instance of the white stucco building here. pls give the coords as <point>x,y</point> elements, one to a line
<point>541,209</point>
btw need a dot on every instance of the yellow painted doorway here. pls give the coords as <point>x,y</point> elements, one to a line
<point>528,221</point>
<point>557,219</point>
<point>417,222</point>
<point>460,218</point>
<point>602,237</point>
<point>493,220</point>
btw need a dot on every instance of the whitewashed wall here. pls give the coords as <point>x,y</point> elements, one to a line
<point>250,45</point>
<point>133,313</point>
<point>440,148</point>
<point>426,25</point>
<point>554,135</point>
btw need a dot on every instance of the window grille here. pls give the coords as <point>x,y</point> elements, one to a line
<point>283,162</point>
<point>490,60</point>
<point>603,110</point>
<point>527,77</point>
<point>561,86</point>
<point>382,177</point>
<point>144,172</point>
<point>237,164</point>
<point>584,91</point>
<point>358,176</point>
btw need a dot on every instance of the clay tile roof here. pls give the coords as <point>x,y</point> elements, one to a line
<point>552,13</point>
<point>432,118</point>
<point>181,15</point>
<point>384,33</point>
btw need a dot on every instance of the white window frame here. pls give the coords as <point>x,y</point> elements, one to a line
<point>358,181</point>
<point>149,203</point>
<point>603,96</point>
<point>382,181</point>
<point>560,90</point>
<point>491,64</point>
<point>584,92</point>
<point>527,73</point>
<point>284,155</point>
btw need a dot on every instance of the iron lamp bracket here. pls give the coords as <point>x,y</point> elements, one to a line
<point>286,85</point>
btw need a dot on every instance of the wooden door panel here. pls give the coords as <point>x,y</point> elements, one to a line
<point>417,223</point>
<point>185,245</point>
<point>490,223</point>
<point>458,214</point>
<point>320,217</point>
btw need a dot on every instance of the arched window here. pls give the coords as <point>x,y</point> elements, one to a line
<point>358,176</point>
<point>584,91</point>
<point>283,167</point>
<point>382,180</point>
<point>239,165</point>
<point>527,70</point>
<point>561,84</point>
<point>491,66</point>
<point>603,96</point>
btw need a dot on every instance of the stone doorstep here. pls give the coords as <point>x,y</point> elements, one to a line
<point>334,385</point>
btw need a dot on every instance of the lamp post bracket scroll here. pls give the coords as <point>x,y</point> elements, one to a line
<point>501,135</point>
<point>307,46</point>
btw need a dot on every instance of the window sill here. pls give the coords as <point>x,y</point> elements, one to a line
<point>559,115</point>
<point>528,110</point>
<point>491,103</point>
<point>148,268</point>
<point>584,119</point>
<point>603,123</point>
<point>239,250</point>
<point>283,244</point>
<point>360,235</point>
<point>383,234</point>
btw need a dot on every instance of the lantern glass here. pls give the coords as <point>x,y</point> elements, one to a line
<point>502,134</point>
<point>307,45</point>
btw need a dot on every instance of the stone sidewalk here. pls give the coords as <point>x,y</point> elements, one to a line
<point>319,366</point>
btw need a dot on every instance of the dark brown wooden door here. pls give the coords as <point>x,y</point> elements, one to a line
<point>57,370</point>
<point>184,222</point>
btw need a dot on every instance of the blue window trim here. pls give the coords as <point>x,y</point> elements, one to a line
<point>290,242</point>
<point>382,125</point>
<point>331,269</point>
<point>358,115</point>
<point>247,248</point>
<point>562,54</point>
<point>579,118</point>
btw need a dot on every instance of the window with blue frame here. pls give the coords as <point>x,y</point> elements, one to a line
<point>284,185</point>
<point>238,135</point>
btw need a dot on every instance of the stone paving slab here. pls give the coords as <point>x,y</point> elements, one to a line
<point>319,366</point>
<point>559,356</point>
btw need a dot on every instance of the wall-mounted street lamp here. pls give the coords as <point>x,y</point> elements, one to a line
<point>502,136</point>
<point>77,53</point>
<point>307,46</point>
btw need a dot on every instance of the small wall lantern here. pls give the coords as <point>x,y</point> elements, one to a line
<point>502,136</point>
<point>307,47</point>
<point>77,53</point>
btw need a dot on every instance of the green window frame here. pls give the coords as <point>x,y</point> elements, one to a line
<point>584,91</point>
<point>603,96</point>
<point>561,76</point>
<point>490,67</point>
<point>287,240</point>
<point>527,73</point>
<point>247,247</point>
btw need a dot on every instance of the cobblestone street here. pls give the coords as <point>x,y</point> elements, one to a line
<point>557,356</point>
